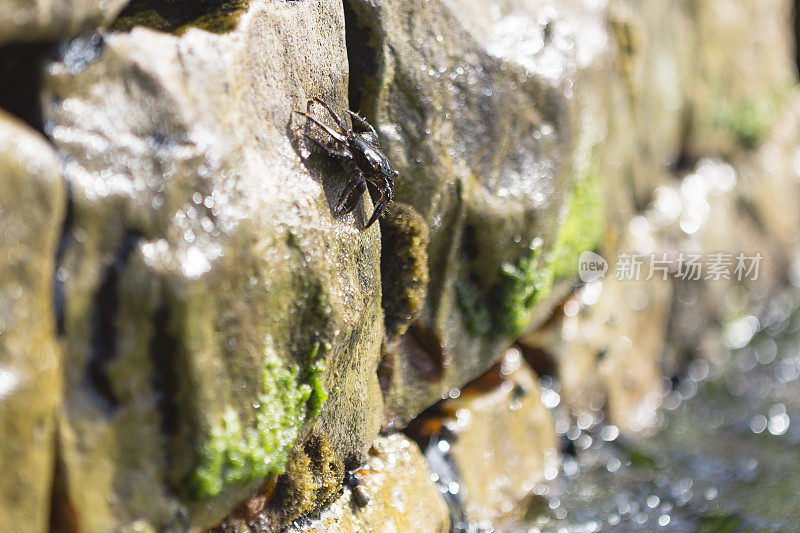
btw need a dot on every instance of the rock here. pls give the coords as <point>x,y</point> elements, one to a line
<point>312,480</point>
<point>394,493</point>
<point>607,343</point>
<point>50,20</point>
<point>654,61</point>
<point>31,215</point>
<point>744,73</point>
<point>491,445</point>
<point>213,305</point>
<point>481,129</point>
<point>769,181</point>
<point>632,350</point>
<point>734,215</point>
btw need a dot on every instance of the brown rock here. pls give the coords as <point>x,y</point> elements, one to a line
<point>32,202</point>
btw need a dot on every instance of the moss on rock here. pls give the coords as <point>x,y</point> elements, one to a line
<point>235,454</point>
<point>747,119</point>
<point>583,228</point>
<point>312,479</point>
<point>404,266</point>
<point>532,277</point>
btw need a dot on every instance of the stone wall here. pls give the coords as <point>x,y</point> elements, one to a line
<point>191,338</point>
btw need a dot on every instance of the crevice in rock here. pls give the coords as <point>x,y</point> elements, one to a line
<point>176,16</point>
<point>59,274</point>
<point>103,347</point>
<point>163,348</point>
<point>63,516</point>
<point>542,361</point>
<point>20,69</point>
<point>796,26</point>
<point>363,42</point>
<point>684,159</point>
<point>435,437</point>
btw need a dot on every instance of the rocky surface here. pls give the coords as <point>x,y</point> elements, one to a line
<point>31,215</point>
<point>485,142</point>
<point>228,348</point>
<point>211,300</point>
<point>744,73</point>
<point>492,445</point>
<point>394,492</point>
<point>50,20</point>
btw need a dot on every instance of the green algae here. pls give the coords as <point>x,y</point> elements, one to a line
<point>747,119</point>
<point>314,372</point>
<point>523,284</point>
<point>531,279</point>
<point>235,455</point>
<point>582,230</point>
<point>476,314</point>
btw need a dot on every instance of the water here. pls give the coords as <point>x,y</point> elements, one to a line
<point>723,458</point>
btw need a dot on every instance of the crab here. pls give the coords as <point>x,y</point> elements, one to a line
<point>361,157</point>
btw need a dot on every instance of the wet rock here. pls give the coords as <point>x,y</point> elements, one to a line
<point>654,60</point>
<point>393,492</point>
<point>491,445</point>
<point>769,181</point>
<point>312,480</point>
<point>631,353</point>
<point>607,343</point>
<point>404,266</point>
<point>215,311</point>
<point>478,114</point>
<point>50,20</point>
<point>733,214</point>
<point>744,72</point>
<point>31,214</point>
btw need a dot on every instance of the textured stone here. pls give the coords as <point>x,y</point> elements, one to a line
<point>211,300</point>
<point>31,214</point>
<point>481,130</point>
<point>491,445</point>
<point>392,491</point>
<point>395,494</point>
<point>654,61</point>
<point>744,70</point>
<point>607,342</point>
<point>50,20</point>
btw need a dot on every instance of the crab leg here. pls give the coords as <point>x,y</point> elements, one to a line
<point>350,195</point>
<point>373,135</point>
<point>330,110</point>
<point>379,209</point>
<point>336,135</point>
